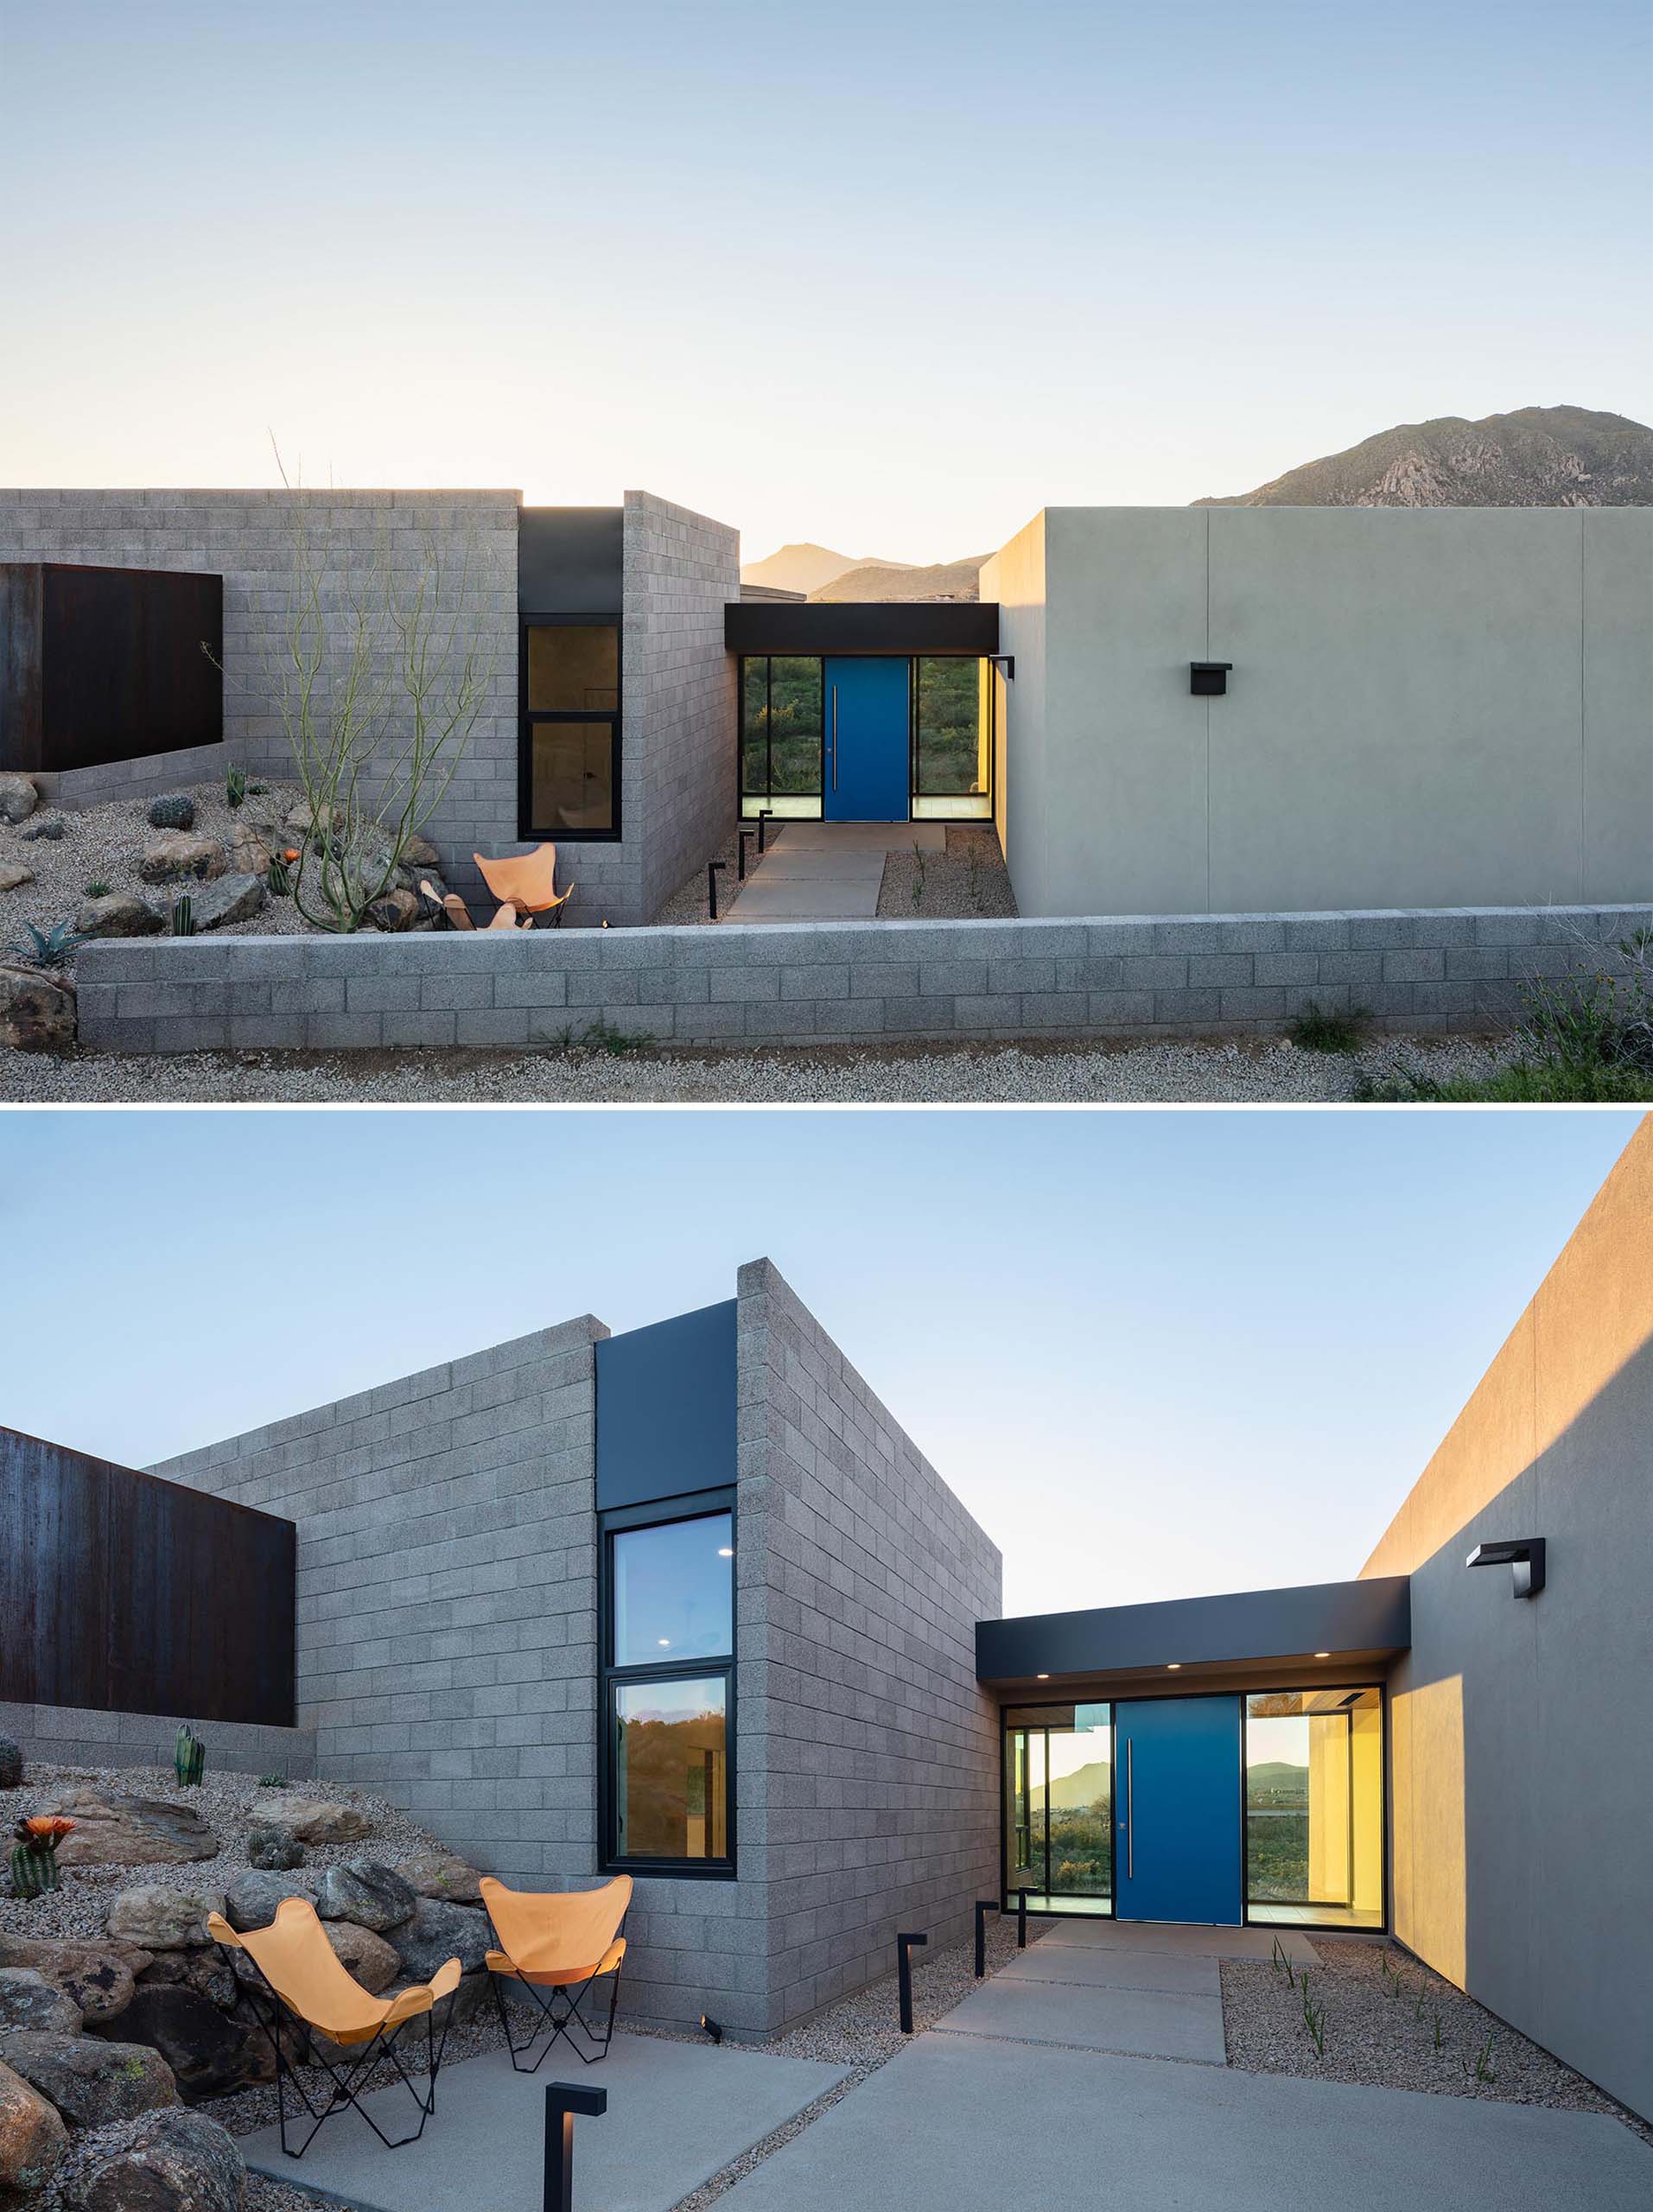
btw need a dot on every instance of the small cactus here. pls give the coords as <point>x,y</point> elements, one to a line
<point>189,1757</point>
<point>235,787</point>
<point>182,918</point>
<point>277,881</point>
<point>173,810</point>
<point>11,1764</point>
<point>33,1865</point>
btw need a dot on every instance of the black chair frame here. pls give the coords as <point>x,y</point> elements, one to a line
<point>345,2076</point>
<point>560,2008</point>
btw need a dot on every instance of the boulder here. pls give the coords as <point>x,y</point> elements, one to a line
<point>119,1831</point>
<point>162,1920</point>
<point>205,2049</point>
<point>171,2161</point>
<point>315,1820</point>
<point>435,1932</point>
<point>28,2001</point>
<point>301,819</point>
<point>440,1874</point>
<point>373,1896</point>
<point>274,1848</point>
<point>395,911</point>
<point>91,2080</point>
<point>92,1975</point>
<point>250,852</point>
<point>49,826</point>
<point>172,810</point>
<point>182,853</point>
<point>33,2138</point>
<point>117,914</point>
<point>37,1012</point>
<point>251,1898</point>
<point>235,898</point>
<point>18,798</point>
<point>366,1955</point>
<point>419,852</point>
<point>13,876</point>
<point>11,1764</point>
<point>209,1972</point>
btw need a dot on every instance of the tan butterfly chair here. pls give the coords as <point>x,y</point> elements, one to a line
<point>459,914</point>
<point>526,881</point>
<point>300,1972</point>
<point>561,1944</point>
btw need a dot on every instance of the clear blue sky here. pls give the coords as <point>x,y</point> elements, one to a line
<point>1155,1353</point>
<point>886,274</point>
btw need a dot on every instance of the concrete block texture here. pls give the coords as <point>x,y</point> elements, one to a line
<point>67,1735</point>
<point>790,982</point>
<point>868,1754</point>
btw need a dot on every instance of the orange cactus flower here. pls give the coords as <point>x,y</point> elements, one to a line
<point>291,853</point>
<point>46,1828</point>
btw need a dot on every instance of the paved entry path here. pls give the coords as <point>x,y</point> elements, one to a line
<point>827,871</point>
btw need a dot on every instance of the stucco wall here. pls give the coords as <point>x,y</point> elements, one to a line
<point>1427,707</point>
<point>869,1753</point>
<point>1522,1760</point>
<point>248,538</point>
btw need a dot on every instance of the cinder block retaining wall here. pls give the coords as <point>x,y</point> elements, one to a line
<point>70,1735</point>
<point>75,789</point>
<point>795,982</point>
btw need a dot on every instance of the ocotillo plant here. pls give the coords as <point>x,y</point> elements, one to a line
<point>189,1757</point>
<point>34,1853</point>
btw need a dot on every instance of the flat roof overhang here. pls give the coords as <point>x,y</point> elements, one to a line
<point>942,626</point>
<point>1318,1626</point>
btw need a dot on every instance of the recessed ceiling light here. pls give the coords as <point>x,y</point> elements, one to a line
<point>1042,1678</point>
<point>726,1551</point>
<point>1174,1667</point>
<point>1323,1655</point>
<point>664,1642</point>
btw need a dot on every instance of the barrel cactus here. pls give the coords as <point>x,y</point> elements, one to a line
<point>189,1757</point>
<point>274,1849</point>
<point>173,810</point>
<point>34,1855</point>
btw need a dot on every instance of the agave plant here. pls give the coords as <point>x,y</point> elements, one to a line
<point>47,947</point>
<point>34,1853</point>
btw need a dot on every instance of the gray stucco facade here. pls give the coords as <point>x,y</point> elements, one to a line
<point>447,1651</point>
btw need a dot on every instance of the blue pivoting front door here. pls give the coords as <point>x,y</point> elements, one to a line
<point>1177,1810</point>
<point>866,702</point>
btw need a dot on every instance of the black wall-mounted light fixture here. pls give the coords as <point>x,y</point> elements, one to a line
<point>1006,665</point>
<point>1525,1555</point>
<point>1208,679</point>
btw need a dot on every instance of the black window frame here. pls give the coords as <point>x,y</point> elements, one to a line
<point>528,719</point>
<point>699,1505</point>
<point>743,796</point>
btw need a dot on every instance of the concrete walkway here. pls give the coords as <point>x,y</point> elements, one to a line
<point>959,2123</point>
<point>827,871</point>
<point>677,2114</point>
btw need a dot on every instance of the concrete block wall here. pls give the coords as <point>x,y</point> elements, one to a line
<point>868,1754</point>
<point>248,538</point>
<point>134,781</point>
<point>68,1735</point>
<point>793,983</point>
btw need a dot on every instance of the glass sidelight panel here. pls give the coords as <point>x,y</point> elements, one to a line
<point>1059,1810</point>
<point>952,739</point>
<point>780,735</point>
<point>1315,1808</point>
<point>670,1768</point>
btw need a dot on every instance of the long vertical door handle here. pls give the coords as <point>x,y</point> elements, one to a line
<point>834,737</point>
<point>1130,1813</point>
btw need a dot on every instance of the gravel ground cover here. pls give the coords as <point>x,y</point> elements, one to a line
<point>686,908</point>
<point>1053,1071</point>
<point>968,881</point>
<point>104,844</point>
<point>1390,2021</point>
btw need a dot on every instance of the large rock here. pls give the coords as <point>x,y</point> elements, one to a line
<point>117,1831</point>
<point>373,1896</point>
<point>33,2138</point>
<point>251,1898</point>
<point>18,798</point>
<point>91,2081</point>
<point>205,2049</point>
<point>369,1957</point>
<point>419,852</point>
<point>182,853</point>
<point>117,914</point>
<point>235,899</point>
<point>28,2001</point>
<point>314,1820</point>
<point>36,1010</point>
<point>208,1972</point>
<point>171,2161</point>
<point>11,1764</point>
<point>13,875</point>
<point>159,1919</point>
<point>441,1874</point>
<point>251,849</point>
<point>97,1979</point>
<point>396,912</point>
<point>437,1932</point>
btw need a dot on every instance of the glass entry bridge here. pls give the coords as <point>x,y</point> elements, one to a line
<point>1224,1790</point>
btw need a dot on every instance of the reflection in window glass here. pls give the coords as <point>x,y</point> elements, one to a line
<point>755,727</point>
<point>573,775</point>
<point>673,1592</point>
<point>573,668</point>
<point>1059,1782</point>
<point>1314,1807</point>
<point>953,718</point>
<point>672,1779</point>
<point>780,735</point>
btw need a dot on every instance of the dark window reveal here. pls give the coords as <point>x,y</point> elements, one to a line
<point>570,735</point>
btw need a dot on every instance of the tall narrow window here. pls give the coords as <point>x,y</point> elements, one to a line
<point>1059,1806</point>
<point>668,1691</point>
<point>952,739</point>
<point>1315,1808</point>
<point>570,735</point>
<point>780,735</point>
